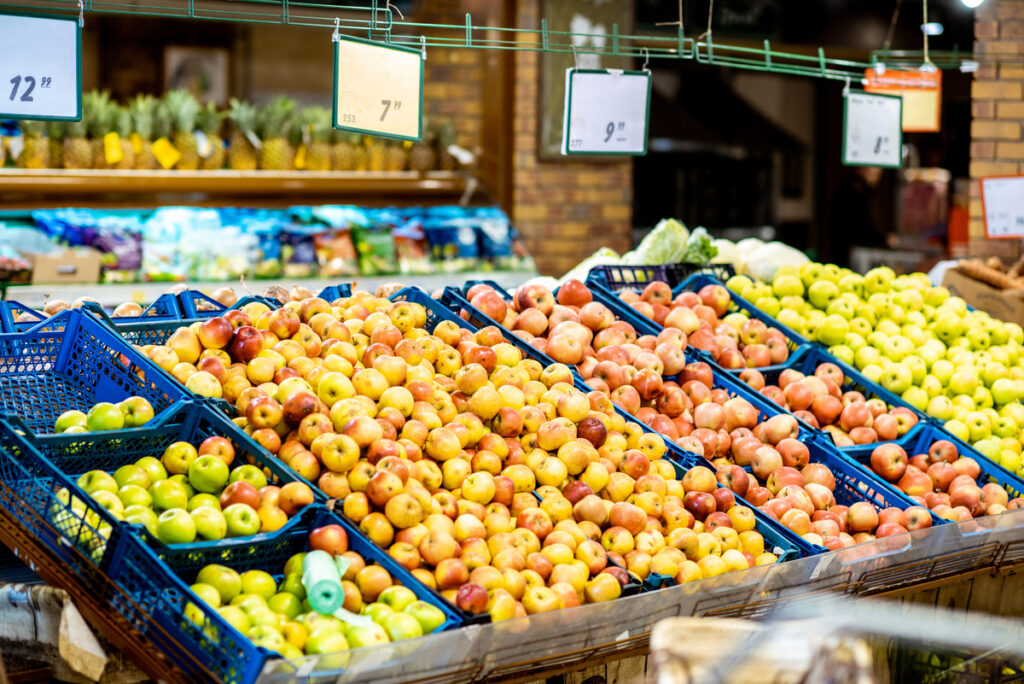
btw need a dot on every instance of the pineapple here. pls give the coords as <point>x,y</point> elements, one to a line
<point>275,126</point>
<point>395,156</point>
<point>98,113</point>
<point>77,152</point>
<point>241,152</point>
<point>55,131</point>
<point>317,121</point>
<point>422,156</point>
<point>360,154</point>
<point>123,125</point>
<point>36,151</point>
<point>143,110</point>
<point>445,138</point>
<point>209,123</point>
<point>183,109</point>
<point>162,127</point>
<point>375,154</point>
<point>343,152</point>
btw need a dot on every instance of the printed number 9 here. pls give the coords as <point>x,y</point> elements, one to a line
<point>609,130</point>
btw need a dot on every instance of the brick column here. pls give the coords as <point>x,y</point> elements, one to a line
<point>997,107</point>
<point>564,210</point>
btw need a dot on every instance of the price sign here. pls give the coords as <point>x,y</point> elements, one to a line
<point>1002,200</point>
<point>921,92</point>
<point>872,130</point>
<point>378,89</point>
<point>40,67</point>
<point>606,112</point>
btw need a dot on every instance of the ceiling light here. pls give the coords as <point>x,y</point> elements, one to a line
<point>972,3</point>
<point>932,28</point>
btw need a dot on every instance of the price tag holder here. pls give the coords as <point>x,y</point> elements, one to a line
<point>872,130</point>
<point>1002,201</point>
<point>378,89</point>
<point>40,67</point>
<point>607,112</point>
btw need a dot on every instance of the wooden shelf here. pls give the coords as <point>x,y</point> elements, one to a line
<point>34,189</point>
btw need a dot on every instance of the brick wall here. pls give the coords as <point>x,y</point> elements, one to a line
<point>564,210</point>
<point>997,107</point>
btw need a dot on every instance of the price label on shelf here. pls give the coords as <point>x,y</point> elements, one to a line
<point>872,130</point>
<point>1002,201</point>
<point>40,67</point>
<point>378,89</point>
<point>606,112</point>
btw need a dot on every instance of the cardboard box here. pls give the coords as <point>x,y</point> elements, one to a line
<point>1005,307</point>
<point>72,266</point>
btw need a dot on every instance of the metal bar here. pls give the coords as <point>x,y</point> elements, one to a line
<point>615,40</point>
<point>469,30</point>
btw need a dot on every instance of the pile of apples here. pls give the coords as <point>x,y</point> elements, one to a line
<point>132,412</point>
<point>437,441</point>
<point>193,494</point>
<point>942,480</point>
<point>819,401</point>
<point>959,366</point>
<point>277,616</point>
<point>734,340</point>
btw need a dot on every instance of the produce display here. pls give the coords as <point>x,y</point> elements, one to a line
<point>176,132</point>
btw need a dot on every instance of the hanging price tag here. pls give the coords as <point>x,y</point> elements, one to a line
<point>378,89</point>
<point>40,67</point>
<point>166,153</point>
<point>872,130</point>
<point>606,112</point>
<point>1002,200</point>
<point>112,148</point>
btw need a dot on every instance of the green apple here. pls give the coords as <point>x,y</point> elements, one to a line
<point>104,416</point>
<point>843,353</point>
<point>141,515</point>
<point>791,319</point>
<point>96,480</point>
<point>833,331</point>
<point>813,319</point>
<point>234,616</point>
<point>841,307</point>
<point>137,411</point>
<point>918,368</point>
<point>895,313</point>
<point>265,617</point>
<point>368,635</point>
<point>929,355</point>
<point>70,419</point>
<point>979,338</point>
<point>378,611</point>
<point>962,401</point>
<point>997,332</point>
<point>888,328</point>
<point>326,640</point>
<point>203,500</point>
<point>134,495</point>
<point>998,354</point>
<point>979,425</point>
<point>897,347</point>
<point>153,468</point>
<point>932,386</point>
<point>758,290</point>
<point>131,475</point>
<point>821,293</point>
<point>964,380</point>
<point>430,617</point>
<point>936,296</point>
<point>943,370</point>
<point>739,283</point>
<point>896,378</point>
<point>990,448</point>
<point>948,326</point>
<point>868,313</point>
<point>250,474</point>
<point>797,304</point>
<point>1016,333</point>
<point>251,603</point>
<point>242,520</point>
<point>402,626</point>
<point>267,636</point>
<point>1013,410</point>
<point>258,582</point>
<point>866,356</point>
<point>1004,426</point>
<point>958,429</point>
<point>810,272</point>
<point>853,284</point>
<point>831,272</point>
<point>177,458</point>
<point>285,603</point>
<point>860,326</point>
<point>208,474</point>
<point>872,372</point>
<point>397,596</point>
<point>735,319</point>
<point>186,485</point>
<point>294,564</point>
<point>225,580</point>
<point>293,585</point>
<point>1011,460</point>
<point>207,593</point>
<point>916,397</point>
<point>854,341</point>
<point>109,501</point>
<point>770,305</point>
<point>982,398</point>
<point>914,334</point>
<point>787,286</point>
<point>879,279</point>
<point>175,526</point>
<point>168,495</point>
<point>940,408</point>
<point>1004,390</point>
<point>209,522</point>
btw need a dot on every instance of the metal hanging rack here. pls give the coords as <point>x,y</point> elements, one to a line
<point>376,21</point>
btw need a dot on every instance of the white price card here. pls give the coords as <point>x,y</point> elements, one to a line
<point>606,112</point>
<point>378,89</point>
<point>1002,200</point>
<point>872,130</point>
<point>40,67</point>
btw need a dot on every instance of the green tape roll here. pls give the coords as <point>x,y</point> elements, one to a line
<point>322,582</point>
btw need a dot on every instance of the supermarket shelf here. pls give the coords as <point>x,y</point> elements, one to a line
<point>34,189</point>
<point>113,294</point>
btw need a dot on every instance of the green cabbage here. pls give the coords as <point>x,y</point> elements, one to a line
<point>665,244</point>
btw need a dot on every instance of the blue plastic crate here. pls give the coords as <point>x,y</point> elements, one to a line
<point>53,509</point>
<point>77,453</point>
<point>618,277</point>
<point>164,308</point>
<point>159,593</point>
<point>189,301</point>
<point>44,373</point>
<point>919,441</point>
